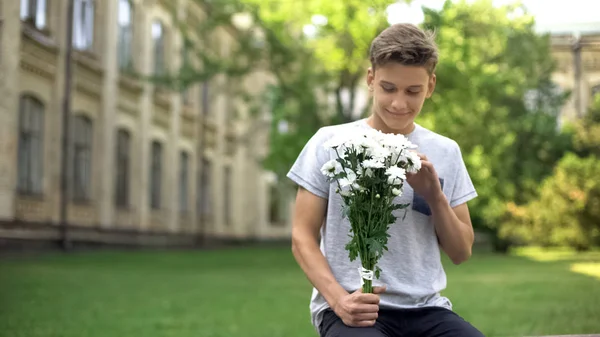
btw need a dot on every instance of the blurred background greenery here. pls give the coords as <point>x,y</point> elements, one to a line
<point>261,292</point>
<point>520,97</point>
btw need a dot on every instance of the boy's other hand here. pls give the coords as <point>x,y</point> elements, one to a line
<point>426,181</point>
<point>358,309</point>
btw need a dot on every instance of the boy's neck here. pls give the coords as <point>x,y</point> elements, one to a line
<point>378,124</point>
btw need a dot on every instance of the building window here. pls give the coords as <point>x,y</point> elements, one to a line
<point>123,150</point>
<point>184,161</point>
<point>83,24</point>
<point>205,98</point>
<point>204,189</point>
<point>34,11</point>
<point>82,158</point>
<point>595,91</point>
<point>185,65</point>
<point>158,38</point>
<point>227,194</point>
<point>274,205</point>
<point>125,21</point>
<point>30,151</point>
<point>156,175</point>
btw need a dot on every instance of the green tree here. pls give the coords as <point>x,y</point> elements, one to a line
<point>494,93</point>
<point>322,53</point>
<point>587,131</point>
<point>495,98</point>
<point>567,211</point>
<point>312,49</point>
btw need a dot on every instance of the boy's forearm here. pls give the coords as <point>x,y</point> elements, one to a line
<point>456,237</point>
<point>315,266</point>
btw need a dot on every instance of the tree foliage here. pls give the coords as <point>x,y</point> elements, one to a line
<point>494,96</point>
<point>567,211</point>
<point>322,60</point>
<point>494,92</point>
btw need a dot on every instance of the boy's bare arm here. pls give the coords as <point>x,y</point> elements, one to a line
<point>308,218</point>
<point>356,309</point>
<point>454,229</point>
<point>452,225</point>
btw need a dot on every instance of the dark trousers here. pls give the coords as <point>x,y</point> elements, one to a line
<point>420,322</point>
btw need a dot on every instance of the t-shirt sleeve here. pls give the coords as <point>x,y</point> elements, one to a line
<point>306,171</point>
<point>463,190</point>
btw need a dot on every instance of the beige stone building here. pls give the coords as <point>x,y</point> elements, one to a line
<point>147,165</point>
<point>576,48</point>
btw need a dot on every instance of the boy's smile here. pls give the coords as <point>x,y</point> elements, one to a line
<point>399,92</point>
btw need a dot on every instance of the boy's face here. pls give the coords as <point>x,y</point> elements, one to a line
<point>399,92</point>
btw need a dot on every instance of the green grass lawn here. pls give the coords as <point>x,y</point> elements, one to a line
<point>260,292</point>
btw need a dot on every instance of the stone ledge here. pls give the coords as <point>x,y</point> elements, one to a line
<point>17,236</point>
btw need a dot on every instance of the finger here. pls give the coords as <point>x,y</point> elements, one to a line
<point>365,317</point>
<point>363,324</point>
<point>426,163</point>
<point>365,309</point>
<point>422,156</point>
<point>379,290</point>
<point>369,299</point>
<point>428,166</point>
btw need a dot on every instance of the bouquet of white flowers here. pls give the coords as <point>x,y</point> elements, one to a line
<point>370,172</point>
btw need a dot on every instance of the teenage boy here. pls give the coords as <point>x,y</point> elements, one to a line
<point>402,75</point>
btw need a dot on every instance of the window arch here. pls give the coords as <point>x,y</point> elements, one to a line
<point>30,149</point>
<point>82,157</point>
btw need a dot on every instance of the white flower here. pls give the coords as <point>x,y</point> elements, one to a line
<point>348,180</point>
<point>396,191</point>
<point>336,141</point>
<point>372,164</point>
<point>396,175</point>
<point>414,160</point>
<point>398,142</point>
<point>345,193</point>
<point>331,168</point>
<point>380,153</point>
<point>361,143</point>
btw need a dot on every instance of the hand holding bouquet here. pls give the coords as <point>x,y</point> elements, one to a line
<point>370,171</point>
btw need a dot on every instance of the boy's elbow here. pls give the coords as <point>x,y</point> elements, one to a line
<point>461,256</point>
<point>298,240</point>
<point>294,245</point>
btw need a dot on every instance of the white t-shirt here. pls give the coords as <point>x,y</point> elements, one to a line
<point>411,269</point>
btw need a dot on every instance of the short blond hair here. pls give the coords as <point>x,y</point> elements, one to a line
<point>406,44</point>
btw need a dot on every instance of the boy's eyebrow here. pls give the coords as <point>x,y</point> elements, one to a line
<point>416,86</point>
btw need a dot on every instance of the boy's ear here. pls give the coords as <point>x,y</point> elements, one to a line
<point>431,85</point>
<point>370,76</point>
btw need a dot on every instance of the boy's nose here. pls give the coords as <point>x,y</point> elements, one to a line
<point>399,104</point>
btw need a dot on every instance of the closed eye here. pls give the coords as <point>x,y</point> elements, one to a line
<point>388,89</point>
